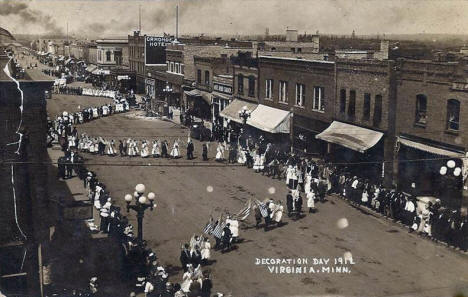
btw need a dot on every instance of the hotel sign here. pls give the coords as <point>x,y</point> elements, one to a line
<point>155,50</point>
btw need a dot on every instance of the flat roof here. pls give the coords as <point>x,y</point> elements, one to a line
<point>297,59</point>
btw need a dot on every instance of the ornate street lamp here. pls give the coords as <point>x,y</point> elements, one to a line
<point>141,204</point>
<point>244,114</point>
<point>449,186</point>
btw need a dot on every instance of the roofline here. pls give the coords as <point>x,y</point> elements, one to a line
<point>296,59</point>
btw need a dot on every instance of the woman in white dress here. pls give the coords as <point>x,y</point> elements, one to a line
<point>155,150</point>
<point>256,165</point>
<point>220,152</point>
<point>277,215</point>
<point>136,147</point>
<point>111,148</point>
<point>289,176</point>
<point>308,183</point>
<point>187,279</point>
<point>311,200</point>
<point>206,250</point>
<point>131,148</point>
<point>144,149</point>
<point>95,145</point>
<point>175,150</point>
<point>241,159</point>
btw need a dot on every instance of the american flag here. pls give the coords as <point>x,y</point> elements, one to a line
<point>245,212</point>
<point>263,209</point>
<point>208,228</point>
<point>218,230</point>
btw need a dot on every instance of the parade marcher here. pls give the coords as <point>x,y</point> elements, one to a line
<point>227,237</point>
<point>121,148</point>
<point>234,227</point>
<point>311,200</point>
<point>207,286</point>
<point>144,152</point>
<point>175,154</point>
<point>164,149</point>
<point>155,151</point>
<point>205,251</point>
<point>277,213</point>
<point>185,256</point>
<point>289,203</point>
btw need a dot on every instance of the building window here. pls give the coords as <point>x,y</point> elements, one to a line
<point>269,89</point>
<point>366,108</point>
<point>378,110</point>
<point>251,86</point>
<point>172,66</point>
<point>421,109</point>
<point>453,114</point>
<point>342,101</point>
<point>352,104</point>
<point>300,94</point>
<point>240,84</point>
<point>199,76</point>
<point>99,56</point>
<point>108,56</point>
<point>283,91</point>
<point>319,101</point>
<point>168,67</point>
<point>177,68</point>
<point>182,66</point>
<point>207,77</point>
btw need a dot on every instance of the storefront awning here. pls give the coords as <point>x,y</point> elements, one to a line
<point>91,68</point>
<point>350,136</point>
<point>231,111</point>
<point>201,94</point>
<point>429,148</point>
<point>270,119</point>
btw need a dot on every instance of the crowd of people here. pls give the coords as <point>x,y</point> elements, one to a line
<point>68,90</point>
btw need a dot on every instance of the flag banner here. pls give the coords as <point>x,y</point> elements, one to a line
<point>244,212</point>
<point>263,208</point>
<point>218,230</point>
<point>208,228</point>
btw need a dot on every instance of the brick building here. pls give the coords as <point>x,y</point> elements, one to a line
<point>136,59</point>
<point>364,114</point>
<point>304,87</point>
<point>112,53</point>
<point>26,215</point>
<point>432,101</point>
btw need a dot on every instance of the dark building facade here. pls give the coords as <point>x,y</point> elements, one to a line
<point>136,59</point>
<point>26,216</point>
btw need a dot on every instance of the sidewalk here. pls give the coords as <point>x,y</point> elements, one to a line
<point>76,254</point>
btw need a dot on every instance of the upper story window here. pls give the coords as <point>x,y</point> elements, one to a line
<point>352,104</point>
<point>269,89</point>
<point>378,110</point>
<point>319,100</point>
<point>108,56</point>
<point>240,84</point>
<point>199,76</point>
<point>342,101</point>
<point>366,107</point>
<point>453,114</point>
<point>421,110</point>
<point>283,91</point>
<point>300,94</point>
<point>207,77</point>
<point>172,66</point>
<point>251,86</point>
<point>177,67</point>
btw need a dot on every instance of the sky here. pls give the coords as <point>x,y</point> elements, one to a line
<point>120,17</point>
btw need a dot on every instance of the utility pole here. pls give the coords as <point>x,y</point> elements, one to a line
<point>177,22</point>
<point>67,34</point>
<point>139,18</point>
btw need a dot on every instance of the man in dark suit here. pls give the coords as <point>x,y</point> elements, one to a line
<point>185,257</point>
<point>226,238</point>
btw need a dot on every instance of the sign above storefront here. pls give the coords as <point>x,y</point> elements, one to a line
<point>155,50</point>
